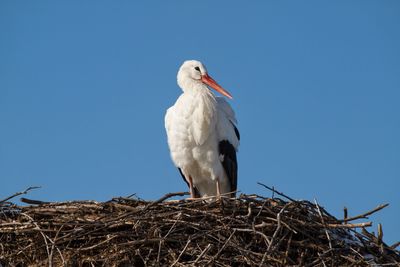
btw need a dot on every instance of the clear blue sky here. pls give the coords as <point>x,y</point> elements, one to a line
<point>84,86</point>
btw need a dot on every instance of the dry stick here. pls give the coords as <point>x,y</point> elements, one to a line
<point>173,225</point>
<point>33,201</point>
<point>159,251</point>
<point>145,241</point>
<point>323,222</point>
<point>259,212</point>
<point>364,215</point>
<point>253,231</point>
<point>275,220</point>
<point>53,246</point>
<point>263,259</point>
<point>19,193</point>
<point>45,237</point>
<point>61,255</point>
<point>345,214</point>
<point>349,225</point>
<point>358,253</point>
<point>380,234</point>
<point>202,253</point>
<point>323,262</point>
<point>314,263</point>
<point>282,239</point>
<point>288,247</point>
<point>98,244</point>
<point>225,244</point>
<point>279,193</point>
<point>183,251</point>
<point>166,196</point>
<point>395,245</point>
<point>204,199</point>
<point>278,227</point>
<point>222,248</point>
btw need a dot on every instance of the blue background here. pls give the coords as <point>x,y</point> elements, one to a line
<point>84,86</point>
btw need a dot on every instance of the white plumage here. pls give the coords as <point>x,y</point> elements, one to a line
<point>202,135</point>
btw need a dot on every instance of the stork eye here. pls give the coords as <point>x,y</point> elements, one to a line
<point>197,68</point>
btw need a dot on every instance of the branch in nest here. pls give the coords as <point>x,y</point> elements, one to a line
<point>19,193</point>
<point>366,214</point>
<point>277,192</point>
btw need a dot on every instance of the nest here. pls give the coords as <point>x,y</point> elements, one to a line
<point>250,230</point>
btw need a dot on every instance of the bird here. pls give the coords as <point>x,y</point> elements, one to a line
<point>202,134</point>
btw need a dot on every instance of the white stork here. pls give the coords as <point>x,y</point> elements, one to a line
<point>202,134</point>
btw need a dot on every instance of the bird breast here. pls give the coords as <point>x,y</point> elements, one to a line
<point>191,125</point>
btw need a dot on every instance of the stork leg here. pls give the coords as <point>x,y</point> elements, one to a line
<point>191,188</point>
<point>218,190</point>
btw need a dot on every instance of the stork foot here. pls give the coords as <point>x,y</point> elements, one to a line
<point>193,192</point>
<point>218,197</point>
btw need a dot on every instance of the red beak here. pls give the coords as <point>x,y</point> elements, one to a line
<point>213,84</point>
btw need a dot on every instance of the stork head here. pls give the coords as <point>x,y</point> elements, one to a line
<point>193,75</point>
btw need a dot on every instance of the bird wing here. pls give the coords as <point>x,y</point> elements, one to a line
<point>168,121</point>
<point>228,138</point>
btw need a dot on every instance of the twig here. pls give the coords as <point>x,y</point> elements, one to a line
<point>166,196</point>
<point>19,193</point>
<point>33,202</point>
<point>395,245</point>
<point>202,253</point>
<point>349,225</point>
<point>380,234</point>
<point>54,246</point>
<point>364,215</point>
<point>183,251</point>
<point>254,231</point>
<point>45,237</point>
<point>159,250</point>
<point>279,193</point>
<point>98,244</point>
<point>323,222</point>
<point>322,260</point>
<point>173,225</point>
<point>278,227</point>
<point>225,244</point>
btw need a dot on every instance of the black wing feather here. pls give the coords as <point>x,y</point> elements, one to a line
<point>236,131</point>
<point>229,162</point>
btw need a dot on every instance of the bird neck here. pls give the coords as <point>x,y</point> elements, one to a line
<point>200,96</point>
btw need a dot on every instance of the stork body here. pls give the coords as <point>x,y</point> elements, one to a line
<point>202,135</point>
